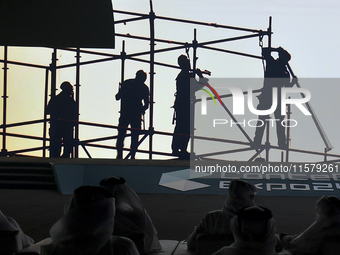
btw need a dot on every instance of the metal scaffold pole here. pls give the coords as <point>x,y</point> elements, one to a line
<point>269,32</point>
<point>152,74</point>
<point>53,69</point>
<point>122,57</point>
<point>4,110</point>
<point>76,128</point>
<point>192,107</point>
<point>45,113</point>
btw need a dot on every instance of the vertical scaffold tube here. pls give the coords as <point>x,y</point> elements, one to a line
<point>122,73</point>
<point>270,33</point>
<point>288,133</point>
<point>76,129</point>
<point>267,124</point>
<point>4,114</point>
<point>152,73</point>
<point>45,113</point>
<point>122,57</point>
<point>193,99</point>
<point>53,69</point>
<point>267,141</point>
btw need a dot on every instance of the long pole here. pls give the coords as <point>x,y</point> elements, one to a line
<point>192,97</point>
<point>122,74</point>
<point>152,73</point>
<point>288,133</point>
<point>122,57</point>
<point>76,130</point>
<point>45,113</point>
<point>269,30</point>
<point>4,120</point>
<point>270,33</point>
<point>53,69</point>
<point>267,141</point>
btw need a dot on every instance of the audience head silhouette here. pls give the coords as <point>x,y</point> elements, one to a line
<point>86,195</point>
<point>254,232</point>
<point>111,183</point>
<point>87,224</point>
<point>240,194</point>
<point>131,219</point>
<point>327,206</point>
<point>321,237</point>
<point>253,221</point>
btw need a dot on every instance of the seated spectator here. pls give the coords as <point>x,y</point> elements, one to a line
<point>240,194</point>
<point>86,227</point>
<point>12,237</point>
<point>327,225</point>
<point>254,232</point>
<point>131,219</point>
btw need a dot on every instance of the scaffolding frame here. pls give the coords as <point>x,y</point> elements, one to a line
<point>51,76</point>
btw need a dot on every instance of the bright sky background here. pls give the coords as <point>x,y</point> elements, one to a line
<point>307,29</point>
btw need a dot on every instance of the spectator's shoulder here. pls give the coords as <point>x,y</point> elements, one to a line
<point>123,245</point>
<point>212,217</point>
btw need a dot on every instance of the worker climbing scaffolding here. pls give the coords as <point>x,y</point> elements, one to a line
<point>276,76</point>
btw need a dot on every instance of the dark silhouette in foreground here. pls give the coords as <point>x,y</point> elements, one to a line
<point>254,231</point>
<point>240,194</point>
<point>134,96</point>
<point>12,237</point>
<point>63,116</point>
<point>131,219</point>
<point>276,76</point>
<point>86,227</point>
<point>322,236</point>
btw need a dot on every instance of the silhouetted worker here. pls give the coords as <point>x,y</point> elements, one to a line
<point>63,116</point>
<point>134,96</point>
<point>182,108</point>
<point>254,232</point>
<point>276,76</point>
<point>241,194</point>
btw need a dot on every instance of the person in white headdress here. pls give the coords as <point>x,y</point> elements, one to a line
<point>13,238</point>
<point>325,226</point>
<point>131,219</point>
<point>241,194</point>
<point>254,231</point>
<point>86,227</point>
